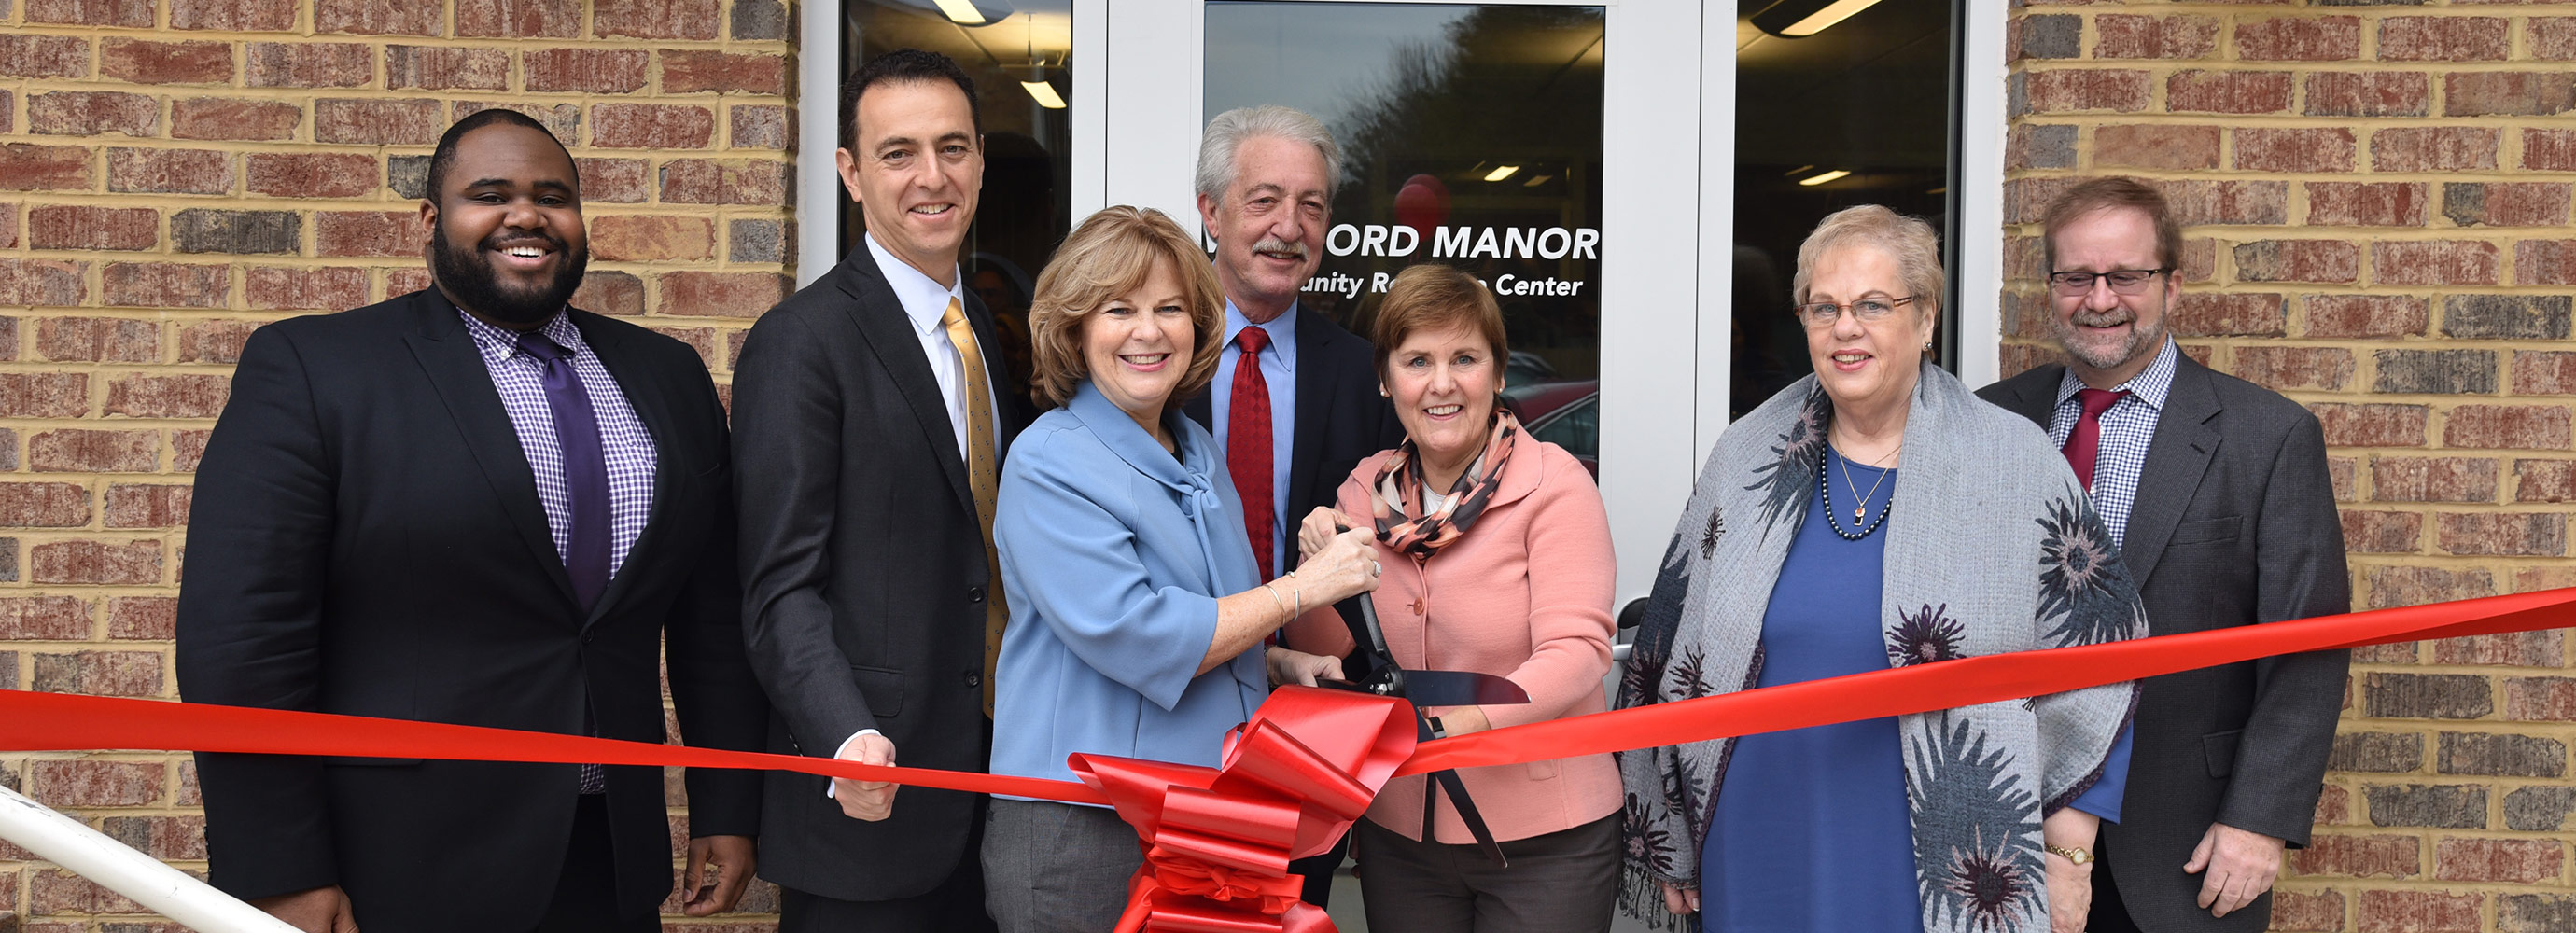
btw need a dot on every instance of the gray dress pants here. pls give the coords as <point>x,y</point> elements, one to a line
<point>1056,867</point>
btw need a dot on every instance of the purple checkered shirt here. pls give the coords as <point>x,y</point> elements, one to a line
<point>625,446</point>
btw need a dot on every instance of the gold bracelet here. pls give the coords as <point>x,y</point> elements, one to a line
<point>2077,856</point>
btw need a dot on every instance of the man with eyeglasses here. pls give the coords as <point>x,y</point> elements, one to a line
<point>2217,492</point>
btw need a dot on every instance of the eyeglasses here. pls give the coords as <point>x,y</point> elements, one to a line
<point>1868,310</point>
<point>2123,281</point>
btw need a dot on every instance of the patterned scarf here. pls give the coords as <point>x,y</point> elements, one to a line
<point>1996,550</point>
<point>1405,526</point>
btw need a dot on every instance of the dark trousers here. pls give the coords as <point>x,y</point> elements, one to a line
<point>1560,882</point>
<point>585,899</point>
<point>2110,914</point>
<point>1318,871</point>
<point>957,904</point>
<point>1057,867</point>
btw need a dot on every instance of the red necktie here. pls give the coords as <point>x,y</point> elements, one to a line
<point>1247,444</point>
<point>2086,442</point>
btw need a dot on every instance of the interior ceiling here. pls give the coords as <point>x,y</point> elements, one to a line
<point>1872,91</point>
<point>1016,32</point>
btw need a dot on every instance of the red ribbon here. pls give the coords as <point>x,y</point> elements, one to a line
<point>1218,839</point>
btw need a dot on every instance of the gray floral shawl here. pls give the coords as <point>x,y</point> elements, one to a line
<point>1991,547</point>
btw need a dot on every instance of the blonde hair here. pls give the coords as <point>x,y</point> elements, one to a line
<point>1916,249</point>
<point>1431,296</point>
<point>1104,259</point>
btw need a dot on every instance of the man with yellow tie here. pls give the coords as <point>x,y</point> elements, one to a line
<point>868,439</point>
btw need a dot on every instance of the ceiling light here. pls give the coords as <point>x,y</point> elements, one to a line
<point>1045,94</point>
<point>1792,19</point>
<point>1794,171</point>
<point>1536,180</point>
<point>1501,172</point>
<point>965,13</point>
<point>1821,178</point>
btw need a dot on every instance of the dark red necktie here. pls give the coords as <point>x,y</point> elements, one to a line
<point>1247,444</point>
<point>2083,445</point>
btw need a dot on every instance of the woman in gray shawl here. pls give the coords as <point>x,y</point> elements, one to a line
<point>1793,564</point>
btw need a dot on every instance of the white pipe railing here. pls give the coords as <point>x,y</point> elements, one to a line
<point>141,878</point>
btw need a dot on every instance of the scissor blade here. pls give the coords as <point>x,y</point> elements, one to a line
<point>1461,688</point>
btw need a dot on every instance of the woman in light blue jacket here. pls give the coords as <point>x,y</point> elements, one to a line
<point>1138,618</point>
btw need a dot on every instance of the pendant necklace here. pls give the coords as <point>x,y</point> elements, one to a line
<point>1860,509</point>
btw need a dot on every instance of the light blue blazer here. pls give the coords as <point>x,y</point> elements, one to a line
<point>1113,555</point>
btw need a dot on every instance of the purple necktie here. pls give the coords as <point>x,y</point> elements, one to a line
<point>585,468</point>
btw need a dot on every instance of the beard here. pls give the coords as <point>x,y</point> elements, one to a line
<point>2099,353</point>
<point>468,276</point>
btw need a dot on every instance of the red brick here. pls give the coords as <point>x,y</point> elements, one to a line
<point>2545,262</point>
<point>336,288</point>
<point>2298,261</point>
<point>2433,479</point>
<point>2549,150</point>
<point>446,68</point>
<point>2434,262</point>
<point>2549,577</point>
<point>8,240</point>
<point>2546,648</point>
<point>2210,314</point>
<point>2299,39</point>
<point>67,226</point>
<point>2508,93</point>
<point>44,57</point>
<point>44,395</point>
<point>2322,149</point>
<point>2553,38</point>
<point>70,450</point>
<point>2197,91</point>
<point>134,505</point>
<point>2508,426</point>
<point>650,126</point>
<point>2444,39</point>
<point>2508,534</point>
<point>2290,368</point>
<point>2418,912</point>
<point>2506,204</point>
<point>563,120</point>
<point>165,285</point>
<point>701,339</point>
<point>2307,911</point>
<point>2152,145</point>
<point>310,175</point>
<point>169,171</point>
<point>89,113</point>
<point>405,281</point>
<point>43,618</point>
<point>768,126</point>
<point>554,19</point>
<point>2368,94</point>
<point>378,17</point>
<point>2544,480</point>
<point>621,237</point>
<point>2366,204</point>
<point>733,347</point>
<point>100,673</point>
<point>233,15</point>
<point>309,64</point>
<point>143,618</point>
<point>2340,472</point>
<point>2382,532</point>
<point>613,181</point>
<point>2547,699</point>
<point>688,72</point>
<point>2371,424</point>
<point>2026,200</point>
<point>587,70</point>
<point>134,14</point>
<point>613,293</point>
<point>721,294</point>
<point>43,505</point>
<point>2070,90</point>
<point>369,233</point>
<point>2203,203</point>
<point>61,892</point>
<point>2434,148</point>
<point>93,340</point>
<point>87,782</point>
<point>96,563</point>
<point>144,62</point>
<point>162,837</point>
<point>406,122</point>
<point>2518,861</point>
<point>2358,856</point>
<point>171,396</point>
<point>707,181</point>
<point>655,19</point>
<point>25,167</point>
<point>186,448</point>
<point>227,119</point>
<point>215,341</point>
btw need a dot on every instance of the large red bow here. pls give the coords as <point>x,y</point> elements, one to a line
<point>1218,840</point>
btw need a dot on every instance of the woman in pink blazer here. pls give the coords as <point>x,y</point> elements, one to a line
<point>1497,560</point>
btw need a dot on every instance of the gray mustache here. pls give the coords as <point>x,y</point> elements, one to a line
<point>1277,245</point>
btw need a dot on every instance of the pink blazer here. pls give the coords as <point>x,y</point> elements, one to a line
<point>1526,595</point>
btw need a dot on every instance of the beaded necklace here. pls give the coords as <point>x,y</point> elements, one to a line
<point>1826,490</point>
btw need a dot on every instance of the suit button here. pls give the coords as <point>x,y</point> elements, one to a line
<point>1417,605</point>
<point>974,594</point>
<point>974,679</point>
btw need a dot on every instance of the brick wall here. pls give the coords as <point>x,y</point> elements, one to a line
<point>174,173</point>
<point>2375,199</point>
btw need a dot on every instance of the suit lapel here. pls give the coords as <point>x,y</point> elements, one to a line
<point>651,407</point>
<point>447,354</point>
<point>890,336</point>
<point>1316,382</point>
<point>2037,395</point>
<point>2186,438</point>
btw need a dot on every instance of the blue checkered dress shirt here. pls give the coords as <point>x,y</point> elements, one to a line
<point>2128,427</point>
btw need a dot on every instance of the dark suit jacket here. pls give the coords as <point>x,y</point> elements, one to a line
<point>2234,524</point>
<point>1341,420</point>
<point>367,540</point>
<point>863,575</point>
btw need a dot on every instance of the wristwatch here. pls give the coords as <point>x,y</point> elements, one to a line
<point>2077,856</point>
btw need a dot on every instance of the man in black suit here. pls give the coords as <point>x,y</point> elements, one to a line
<point>472,504</point>
<point>2217,491</point>
<point>1295,404</point>
<point>870,430</point>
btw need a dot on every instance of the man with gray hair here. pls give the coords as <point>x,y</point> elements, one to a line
<point>1295,405</point>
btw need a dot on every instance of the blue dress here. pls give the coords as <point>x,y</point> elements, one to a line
<point>1811,830</point>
